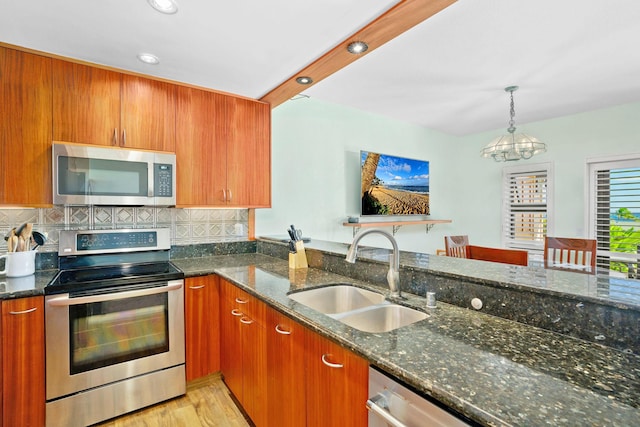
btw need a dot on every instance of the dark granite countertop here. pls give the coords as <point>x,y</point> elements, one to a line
<point>28,286</point>
<point>495,371</point>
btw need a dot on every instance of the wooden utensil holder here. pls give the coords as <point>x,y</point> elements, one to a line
<point>299,258</point>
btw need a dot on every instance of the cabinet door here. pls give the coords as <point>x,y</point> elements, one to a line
<point>86,104</point>
<point>285,371</point>
<point>337,382</point>
<point>202,326</point>
<point>231,348</point>
<point>254,363</point>
<point>148,114</point>
<point>249,155</point>
<point>201,148</point>
<point>25,129</point>
<point>23,362</point>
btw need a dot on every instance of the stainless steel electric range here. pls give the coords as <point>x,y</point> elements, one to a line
<point>114,326</point>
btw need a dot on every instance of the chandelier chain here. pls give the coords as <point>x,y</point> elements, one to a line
<point>512,112</point>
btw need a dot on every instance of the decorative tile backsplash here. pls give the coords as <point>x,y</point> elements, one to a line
<point>188,226</point>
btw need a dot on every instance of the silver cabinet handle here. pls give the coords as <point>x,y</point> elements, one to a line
<point>236,312</point>
<point>196,287</point>
<point>329,364</point>
<point>65,300</point>
<point>282,331</point>
<point>224,195</point>
<point>124,137</point>
<point>31,310</point>
<point>246,320</point>
<point>114,140</point>
<point>379,406</point>
<point>230,194</point>
<point>241,301</point>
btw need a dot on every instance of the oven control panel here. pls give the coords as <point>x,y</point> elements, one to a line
<point>79,242</point>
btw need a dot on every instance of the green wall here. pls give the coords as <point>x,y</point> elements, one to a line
<point>316,175</point>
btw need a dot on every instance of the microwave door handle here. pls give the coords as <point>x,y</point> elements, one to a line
<point>66,301</point>
<point>151,177</point>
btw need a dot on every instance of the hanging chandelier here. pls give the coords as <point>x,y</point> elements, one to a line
<point>511,147</point>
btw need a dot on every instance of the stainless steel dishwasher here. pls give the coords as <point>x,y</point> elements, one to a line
<point>392,404</point>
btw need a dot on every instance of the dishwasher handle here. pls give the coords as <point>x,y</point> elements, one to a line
<point>379,405</point>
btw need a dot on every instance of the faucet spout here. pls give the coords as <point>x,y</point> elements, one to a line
<point>393,275</point>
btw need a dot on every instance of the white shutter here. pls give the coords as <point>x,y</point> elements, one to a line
<point>525,198</point>
<point>616,192</point>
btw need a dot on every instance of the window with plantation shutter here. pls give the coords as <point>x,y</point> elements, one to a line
<point>526,200</point>
<point>615,215</point>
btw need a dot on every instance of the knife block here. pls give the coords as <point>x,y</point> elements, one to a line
<point>299,258</point>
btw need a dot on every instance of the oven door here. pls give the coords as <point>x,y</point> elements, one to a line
<point>100,338</point>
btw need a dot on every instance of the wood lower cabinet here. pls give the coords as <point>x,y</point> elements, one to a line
<point>202,326</point>
<point>224,158</point>
<point>23,386</point>
<point>337,384</point>
<point>25,129</point>
<point>243,352</point>
<point>285,371</point>
<point>96,106</point>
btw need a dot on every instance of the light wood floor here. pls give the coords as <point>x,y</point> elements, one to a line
<point>206,404</point>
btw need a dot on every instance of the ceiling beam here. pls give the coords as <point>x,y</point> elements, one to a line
<point>400,18</point>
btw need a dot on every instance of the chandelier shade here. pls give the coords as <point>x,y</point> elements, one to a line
<point>512,146</point>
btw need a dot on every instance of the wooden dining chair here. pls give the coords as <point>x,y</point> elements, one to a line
<point>457,246</point>
<point>505,256</point>
<point>563,253</point>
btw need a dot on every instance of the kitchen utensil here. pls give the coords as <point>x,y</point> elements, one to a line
<point>292,247</point>
<point>10,233</point>
<point>12,243</point>
<point>21,244</point>
<point>26,235</point>
<point>293,232</point>
<point>298,234</point>
<point>38,238</point>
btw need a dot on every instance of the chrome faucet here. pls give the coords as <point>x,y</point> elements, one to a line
<point>393,276</point>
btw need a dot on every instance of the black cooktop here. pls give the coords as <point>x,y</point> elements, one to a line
<point>114,276</point>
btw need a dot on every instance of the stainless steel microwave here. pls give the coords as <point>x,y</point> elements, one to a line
<point>94,175</point>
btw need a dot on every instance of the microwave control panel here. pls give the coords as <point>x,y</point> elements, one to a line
<point>163,179</point>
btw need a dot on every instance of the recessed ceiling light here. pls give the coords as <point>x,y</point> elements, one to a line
<point>357,47</point>
<point>164,6</point>
<point>304,80</point>
<point>148,58</point>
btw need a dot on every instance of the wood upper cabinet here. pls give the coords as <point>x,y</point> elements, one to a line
<point>285,371</point>
<point>201,153</point>
<point>96,106</point>
<point>148,114</point>
<point>202,331</point>
<point>23,386</point>
<point>25,129</point>
<point>224,150</point>
<point>249,155</point>
<point>243,355</point>
<point>337,384</point>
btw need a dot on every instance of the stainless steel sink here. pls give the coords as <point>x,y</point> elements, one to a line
<point>359,308</point>
<point>383,318</point>
<point>337,298</point>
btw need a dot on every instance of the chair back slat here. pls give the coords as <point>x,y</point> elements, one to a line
<point>563,253</point>
<point>457,246</point>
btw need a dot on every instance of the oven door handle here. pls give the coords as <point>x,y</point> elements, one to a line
<point>66,301</point>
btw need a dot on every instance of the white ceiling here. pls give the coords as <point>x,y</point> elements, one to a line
<point>447,74</point>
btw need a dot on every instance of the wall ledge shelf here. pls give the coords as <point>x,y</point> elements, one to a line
<point>429,223</point>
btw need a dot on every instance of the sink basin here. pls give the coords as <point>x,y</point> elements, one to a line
<point>337,298</point>
<point>383,318</point>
